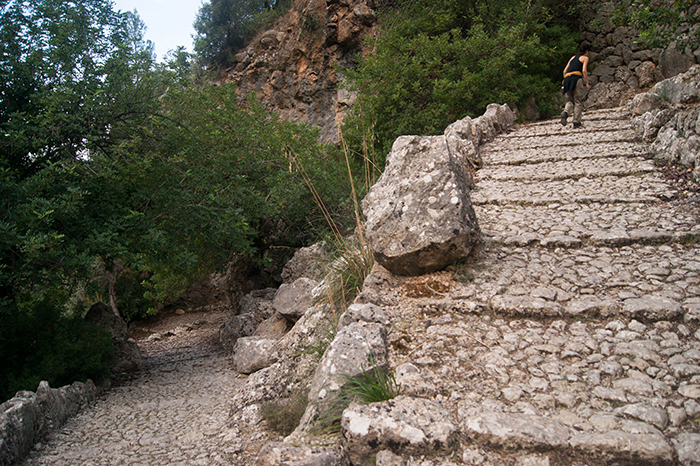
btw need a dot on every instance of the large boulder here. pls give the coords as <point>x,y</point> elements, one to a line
<point>294,299</point>
<point>128,355</point>
<point>251,354</point>
<point>358,348</point>
<point>419,215</point>
<point>306,263</point>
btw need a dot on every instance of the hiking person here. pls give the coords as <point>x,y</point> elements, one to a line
<point>573,85</point>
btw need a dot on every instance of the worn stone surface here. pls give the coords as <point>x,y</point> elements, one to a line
<point>419,215</point>
<point>611,377</point>
<point>282,454</point>
<point>406,425</point>
<point>294,299</point>
<point>252,353</point>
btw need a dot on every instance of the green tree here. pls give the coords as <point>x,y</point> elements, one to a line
<point>224,26</point>
<point>435,62</point>
<point>661,22</point>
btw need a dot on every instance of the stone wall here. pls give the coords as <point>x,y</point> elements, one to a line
<point>29,417</point>
<point>620,66</point>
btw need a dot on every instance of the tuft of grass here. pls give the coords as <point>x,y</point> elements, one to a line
<point>345,274</point>
<point>372,386</point>
<point>283,416</point>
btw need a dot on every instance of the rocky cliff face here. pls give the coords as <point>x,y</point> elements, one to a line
<point>295,68</point>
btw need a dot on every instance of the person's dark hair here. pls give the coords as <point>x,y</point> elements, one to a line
<point>584,47</point>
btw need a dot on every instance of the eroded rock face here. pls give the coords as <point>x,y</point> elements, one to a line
<point>419,215</point>
<point>292,67</point>
<point>125,349</point>
<point>28,417</point>
<point>405,425</point>
<point>669,118</point>
<point>294,299</point>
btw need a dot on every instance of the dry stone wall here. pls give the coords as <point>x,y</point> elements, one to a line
<point>28,417</point>
<point>621,66</point>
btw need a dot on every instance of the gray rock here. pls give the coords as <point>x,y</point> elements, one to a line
<point>128,355</point>
<point>654,416</point>
<point>351,353</point>
<point>688,449</point>
<point>461,141</point>
<point>690,391</point>
<point>236,327</point>
<point>515,430</point>
<point>619,445</point>
<point>419,215</point>
<point>525,306</point>
<point>294,299</point>
<point>283,454</point>
<point>410,426</point>
<point>388,458</point>
<point>251,354</point>
<point>28,417</point>
<point>652,308</point>
<point>362,313</point>
<point>307,263</point>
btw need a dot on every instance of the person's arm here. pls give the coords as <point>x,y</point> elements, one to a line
<point>584,60</point>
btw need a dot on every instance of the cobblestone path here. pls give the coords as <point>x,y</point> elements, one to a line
<point>174,412</point>
<point>572,336</point>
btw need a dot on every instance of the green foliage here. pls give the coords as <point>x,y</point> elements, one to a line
<point>346,270</point>
<point>661,22</point>
<point>224,26</point>
<point>41,343</point>
<point>435,62</point>
<point>372,386</point>
<point>283,416</point>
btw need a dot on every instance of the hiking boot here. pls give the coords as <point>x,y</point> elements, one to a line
<point>564,116</point>
<point>578,125</point>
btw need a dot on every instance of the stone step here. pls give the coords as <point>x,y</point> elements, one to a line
<point>571,225</point>
<point>587,282</point>
<point>567,169</point>
<point>554,128</point>
<point>646,188</point>
<point>505,156</point>
<point>563,139</point>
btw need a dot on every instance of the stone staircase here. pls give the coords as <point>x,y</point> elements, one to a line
<point>572,336</point>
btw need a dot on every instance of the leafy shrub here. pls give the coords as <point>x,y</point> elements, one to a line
<point>41,343</point>
<point>436,62</point>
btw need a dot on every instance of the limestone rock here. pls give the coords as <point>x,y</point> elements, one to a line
<point>126,350</point>
<point>620,445</point>
<point>251,354</point>
<point>688,449</point>
<point>283,454</point>
<point>406,425</point>
<point>236,327</point>
<point>419,215</point>
<point>508,430</point>
<point>652,308</point>
<point>258,303</point>
<point>307,263</point>
<point>294,299</point>
<point>362,313</point>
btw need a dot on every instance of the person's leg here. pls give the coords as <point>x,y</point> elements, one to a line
<point>569,108</point>
<point>578,95</point>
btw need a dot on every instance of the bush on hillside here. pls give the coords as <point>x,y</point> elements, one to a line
<point>435,62</point>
